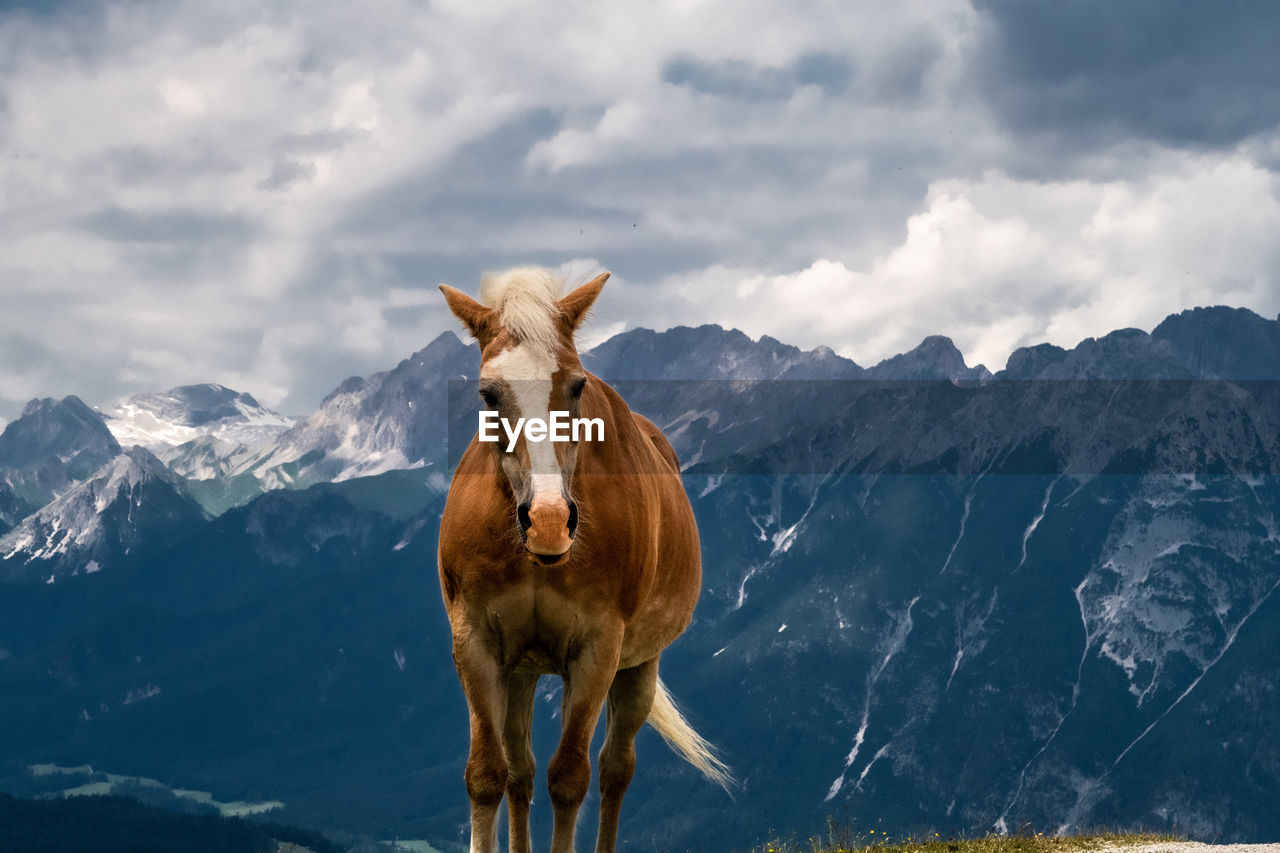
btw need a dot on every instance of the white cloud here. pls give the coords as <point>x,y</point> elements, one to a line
<point>996,263</point>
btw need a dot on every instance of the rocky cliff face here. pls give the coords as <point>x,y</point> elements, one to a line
<point>390,421</point>
<point>53,445</point>
<point>133,501</point>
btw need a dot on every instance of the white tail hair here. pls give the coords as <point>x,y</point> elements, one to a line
<point>680,736</point>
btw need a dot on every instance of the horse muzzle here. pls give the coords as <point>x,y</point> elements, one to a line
<point>548,528</point>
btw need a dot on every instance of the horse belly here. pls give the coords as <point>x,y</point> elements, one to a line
<point>664,613</point>
<point>654,627</point>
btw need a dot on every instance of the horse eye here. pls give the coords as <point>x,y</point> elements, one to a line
<point>575,389</point>
<point>490,397</point>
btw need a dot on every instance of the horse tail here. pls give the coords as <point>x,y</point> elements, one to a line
<point>680,736</point>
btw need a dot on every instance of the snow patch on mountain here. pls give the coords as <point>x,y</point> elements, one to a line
<point>190,412</point>
<point>209,457</point>
<point>893,643</point>
<point>353,446</point>
<point>389,421</point>
<point>1181,565</point>
<point>72,520</point>
<point>118,505</point>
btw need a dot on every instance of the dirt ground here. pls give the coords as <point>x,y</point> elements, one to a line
<point>1197,847</point>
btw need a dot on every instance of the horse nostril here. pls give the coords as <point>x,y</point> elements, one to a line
<point>522,513</point>
<point>573,517</point>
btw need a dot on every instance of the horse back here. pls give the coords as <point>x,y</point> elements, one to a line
<point>650,430</point>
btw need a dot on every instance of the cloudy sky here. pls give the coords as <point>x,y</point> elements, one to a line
<point>266,194</point>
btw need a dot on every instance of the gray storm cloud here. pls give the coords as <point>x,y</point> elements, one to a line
<point>266,199</point>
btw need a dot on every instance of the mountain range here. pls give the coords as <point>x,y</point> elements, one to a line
<point>934,596</point>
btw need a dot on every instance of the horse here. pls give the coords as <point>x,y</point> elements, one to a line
<point>571,558</point>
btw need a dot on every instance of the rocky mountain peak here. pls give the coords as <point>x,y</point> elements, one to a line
<point>66,431</point>
<point>711,352</point>
<point>937,357</point>
<point>1228,343</point>
<point>132,500</point>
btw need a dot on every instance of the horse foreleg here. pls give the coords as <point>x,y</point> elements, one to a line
<point>515,735</point>
<point>569,773</point>
<point>486,773</point>
<point>630,699</point>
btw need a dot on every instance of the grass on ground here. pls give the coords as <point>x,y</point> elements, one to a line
<point>850,839</point>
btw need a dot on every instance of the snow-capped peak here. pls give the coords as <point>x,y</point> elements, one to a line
<point>189,412</point>
<point>391,420</point>
<point>128,499</point>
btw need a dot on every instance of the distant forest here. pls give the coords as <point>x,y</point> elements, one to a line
<point>111,824</point>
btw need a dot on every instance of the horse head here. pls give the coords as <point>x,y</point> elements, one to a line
<point>529,368</point>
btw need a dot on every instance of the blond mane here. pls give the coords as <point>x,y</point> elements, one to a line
<point>524,300</point>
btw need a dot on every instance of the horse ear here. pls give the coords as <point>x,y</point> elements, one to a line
<point>576,305</point>
<point>473,315</point>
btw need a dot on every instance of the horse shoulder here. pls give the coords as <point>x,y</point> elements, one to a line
<point>474,550</point>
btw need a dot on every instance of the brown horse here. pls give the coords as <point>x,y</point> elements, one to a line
<point>578,559</point>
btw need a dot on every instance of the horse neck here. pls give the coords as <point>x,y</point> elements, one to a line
<point>622,435</point>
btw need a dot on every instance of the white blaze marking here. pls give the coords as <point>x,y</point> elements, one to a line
<point>527,371</point>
